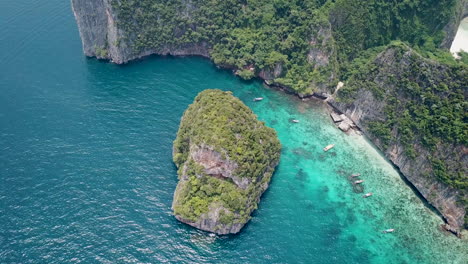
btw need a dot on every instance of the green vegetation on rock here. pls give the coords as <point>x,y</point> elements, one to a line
<point>420,106</point>
<point>225,159</point>
<point>308,46</point>
<point>101,52</point>
<point>424,109</point>
<point>263,33</point>
<point>365,24</point>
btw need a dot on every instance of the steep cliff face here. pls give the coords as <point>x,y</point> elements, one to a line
<point>374,106</point>
<point>99,33</point>
<point>450,30</point>
<point>225,159</point>
<point>212,165</point>
<point>323,56</point>
<point>92,20</point>
<point>103,38</point>
<point>109,30</point>
<point>219,217</point>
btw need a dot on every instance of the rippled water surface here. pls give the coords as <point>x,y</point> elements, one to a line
<point>86,173</point>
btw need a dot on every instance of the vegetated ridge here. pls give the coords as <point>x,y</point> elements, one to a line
<point>307,46</point>
<point>225,159</point>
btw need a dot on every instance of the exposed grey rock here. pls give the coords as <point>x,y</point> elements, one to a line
<point>319,55</point>
<point>322,54</point>
<point>210,222</point>
<point>102,38</point>
<point>461,11</point>
<point>270,74</point>
<point>346,123</point>
<point>220,182</point>
<point>367,108</point>
<point>215,165</point>
<point>91,17</point>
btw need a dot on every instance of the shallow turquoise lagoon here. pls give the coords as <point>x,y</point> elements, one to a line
<point>86,173</point>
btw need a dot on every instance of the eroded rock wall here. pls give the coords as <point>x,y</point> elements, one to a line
<point>461,11</point>
<point>102,38</point>
<point>215,165</point>
<point>366,108</point>
<point>92,20</point>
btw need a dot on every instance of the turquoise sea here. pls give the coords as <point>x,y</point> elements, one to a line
<point>86,173</point>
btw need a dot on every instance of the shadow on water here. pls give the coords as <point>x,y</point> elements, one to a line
<point>272,106</point>
<point>301,175</point>
<point>350,217</point>
<point>303,153</point>
<point>325,189</point>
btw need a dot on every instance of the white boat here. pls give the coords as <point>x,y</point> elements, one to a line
<point>327,148</point>
<point>256,99</point>
<point>359,181</point>
<point>295,121</point>
<point>388,230</point>
<point>367,195</point>
<point>355,175</point>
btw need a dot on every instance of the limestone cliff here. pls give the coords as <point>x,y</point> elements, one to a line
<point>103,38</point>
<point>450,30</point>
<point>225,159</point>
<point>92,21</point>
<point>113,34</point>
<point>397,74</point>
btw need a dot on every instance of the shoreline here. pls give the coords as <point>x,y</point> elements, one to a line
<point>328,106</point>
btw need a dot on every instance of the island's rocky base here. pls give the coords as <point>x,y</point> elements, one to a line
<point>225,159</point>
<point>223,170</point>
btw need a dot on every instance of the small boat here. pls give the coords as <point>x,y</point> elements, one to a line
<point>367,195</point>
<point>256,99</point>
<point>388,230</point>
<point>355,175</point>
<point>212,235</point>
<point>327,148</point>
<point>295,121</point>
<point>359,181</point>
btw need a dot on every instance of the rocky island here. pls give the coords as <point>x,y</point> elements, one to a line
<point>392,58</point>
<point>225,159</point>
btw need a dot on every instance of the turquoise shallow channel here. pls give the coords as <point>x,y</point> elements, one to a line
<point>86,174</point>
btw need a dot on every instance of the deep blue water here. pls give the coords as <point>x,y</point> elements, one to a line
<point>86,172</point>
